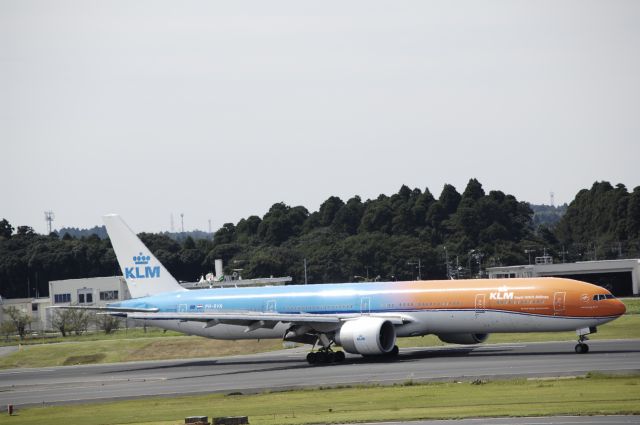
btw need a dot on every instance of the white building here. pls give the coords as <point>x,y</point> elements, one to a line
<point>94,291</point>
<point>36,308</point>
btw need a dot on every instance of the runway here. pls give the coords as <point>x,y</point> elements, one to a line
<point>542,420</point>
<point>288,369</point>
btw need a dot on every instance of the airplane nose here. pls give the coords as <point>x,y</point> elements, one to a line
<point>620,308</point>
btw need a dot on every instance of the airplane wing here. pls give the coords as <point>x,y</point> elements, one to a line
<point>107,309</point>
<point>253,320</point>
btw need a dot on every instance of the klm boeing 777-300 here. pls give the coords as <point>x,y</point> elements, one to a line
<point>362,318</point>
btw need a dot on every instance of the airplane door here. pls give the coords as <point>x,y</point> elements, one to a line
<point>182,308</point>
<point>365,305</point>
<point>480,303</point>
<point>559,302</point>
<point>270,306</point>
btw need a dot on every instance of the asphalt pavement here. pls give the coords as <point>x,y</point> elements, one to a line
<point>287,369</point>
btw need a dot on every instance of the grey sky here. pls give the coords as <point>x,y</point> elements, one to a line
<point>220,109</point>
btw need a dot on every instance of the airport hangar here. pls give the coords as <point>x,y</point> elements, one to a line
<point>621,277</point>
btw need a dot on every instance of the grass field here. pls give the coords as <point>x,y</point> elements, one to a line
<point>90,336</point>
<point>156,345</point>
<point>590,395</point>
<point>632,304</point>
<point>125,350</point>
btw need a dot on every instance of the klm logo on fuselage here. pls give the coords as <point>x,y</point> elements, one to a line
<point>502,294</point>
<point>141,270</point>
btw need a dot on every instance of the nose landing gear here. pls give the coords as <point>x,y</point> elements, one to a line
<point>581,347</point>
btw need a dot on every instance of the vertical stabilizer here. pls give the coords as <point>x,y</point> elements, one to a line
<point>145,275</point>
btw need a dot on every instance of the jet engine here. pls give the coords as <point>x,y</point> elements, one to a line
<point>367,336</point>
<point>463,338</point>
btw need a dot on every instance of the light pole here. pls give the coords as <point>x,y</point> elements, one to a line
<point>529,251</point>
<point>419,264</point>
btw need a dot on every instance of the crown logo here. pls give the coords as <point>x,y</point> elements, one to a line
<point>141,259</point>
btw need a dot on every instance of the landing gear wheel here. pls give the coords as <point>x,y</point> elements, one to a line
<point>582,348</point>
<point>325,357</point>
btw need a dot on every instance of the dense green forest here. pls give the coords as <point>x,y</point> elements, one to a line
<point>404,236</point>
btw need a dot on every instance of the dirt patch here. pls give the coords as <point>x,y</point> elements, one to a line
<point>87,359</point>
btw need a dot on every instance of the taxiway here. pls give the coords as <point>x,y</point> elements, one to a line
<point>287,369</point>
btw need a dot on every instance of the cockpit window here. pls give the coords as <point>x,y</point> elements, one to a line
<point>599,297</point>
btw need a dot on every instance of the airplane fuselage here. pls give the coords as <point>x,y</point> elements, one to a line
<point>428,307</point>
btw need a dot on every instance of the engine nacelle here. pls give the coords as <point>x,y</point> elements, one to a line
<point>367,336</point>
<point>463,338</point>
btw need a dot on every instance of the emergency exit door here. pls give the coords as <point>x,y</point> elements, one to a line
<point>559,302</point>
<point>480,303</point>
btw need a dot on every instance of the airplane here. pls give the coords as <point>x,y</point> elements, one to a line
<point>363,318</point>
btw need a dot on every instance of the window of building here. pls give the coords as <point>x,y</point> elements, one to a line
<point>34,307</point>
<point>108,295</point>
<point>62,298</point>
<point>85,296</point>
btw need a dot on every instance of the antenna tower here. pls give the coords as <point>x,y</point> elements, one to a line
<point>551,198</point>
<point>48,217</point>
<point>182,221</point>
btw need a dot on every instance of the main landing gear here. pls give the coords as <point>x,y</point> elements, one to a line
<point>325,356</point>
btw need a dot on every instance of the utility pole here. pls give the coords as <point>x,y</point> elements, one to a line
<point>563,252</point>
<point>48,217</point>
<point>529,251</point>
<point>446,262</point>
<point>419,264</point>
<point>305,271</point>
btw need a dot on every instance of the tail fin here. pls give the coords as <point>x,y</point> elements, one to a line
<point>145,275</point>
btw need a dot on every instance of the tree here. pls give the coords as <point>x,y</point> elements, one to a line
<point>449,199</point>
<point>107,323</point>
<point>25,231</point>
<point>61,320</point>
<point>348,217</point>
<point>19,319</point>
<point>329,209</point>
<point>80,320</point>
<point>6,229</point>
<point>7,329</point>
